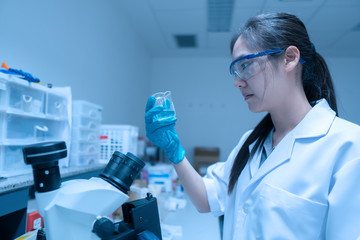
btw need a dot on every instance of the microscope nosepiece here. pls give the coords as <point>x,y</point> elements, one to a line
<point>122,170</point>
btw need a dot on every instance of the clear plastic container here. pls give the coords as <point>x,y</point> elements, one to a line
<point>86,123</point>
<point>26,99</point>
<point>57,106</point>
<point>79,134</point>
<point>83,159</point>
<point>84,148</point>
<point>26,129</point>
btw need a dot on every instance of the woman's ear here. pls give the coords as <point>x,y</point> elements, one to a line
<point>292,57</point>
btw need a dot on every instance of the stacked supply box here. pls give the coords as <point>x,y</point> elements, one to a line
<point>30,113</point>
<point>85,133</point>
<point>122,138</point>
<point>204,157</point>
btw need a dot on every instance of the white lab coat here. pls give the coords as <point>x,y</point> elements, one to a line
<point>307,188</point>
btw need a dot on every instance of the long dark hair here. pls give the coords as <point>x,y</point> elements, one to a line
<point>281,30</point>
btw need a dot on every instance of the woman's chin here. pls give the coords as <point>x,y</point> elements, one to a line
<point>255,108</point>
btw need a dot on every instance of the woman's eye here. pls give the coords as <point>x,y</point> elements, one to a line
<point>245,65</point>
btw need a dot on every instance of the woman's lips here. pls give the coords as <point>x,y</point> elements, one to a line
<point>246,97</point>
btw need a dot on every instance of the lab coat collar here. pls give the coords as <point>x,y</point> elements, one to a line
<point>316,123</point>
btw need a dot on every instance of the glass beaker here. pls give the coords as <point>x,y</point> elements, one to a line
<point>164,99</point>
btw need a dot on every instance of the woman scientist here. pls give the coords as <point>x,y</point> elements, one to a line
<point>297,174</point>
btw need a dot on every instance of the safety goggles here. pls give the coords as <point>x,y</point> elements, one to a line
<point>245,67</point>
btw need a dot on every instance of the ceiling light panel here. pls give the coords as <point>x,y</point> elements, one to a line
<point>219,15</point>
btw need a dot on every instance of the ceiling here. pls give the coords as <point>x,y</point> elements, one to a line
<point>333,25</point>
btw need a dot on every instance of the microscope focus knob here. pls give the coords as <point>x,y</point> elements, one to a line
<point>104,228</point>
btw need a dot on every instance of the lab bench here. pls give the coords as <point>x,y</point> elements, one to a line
<point>14,196</point>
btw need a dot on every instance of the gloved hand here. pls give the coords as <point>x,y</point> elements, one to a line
<point>160,130</point>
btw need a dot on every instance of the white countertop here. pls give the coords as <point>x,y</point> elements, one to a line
<point>194,225</point>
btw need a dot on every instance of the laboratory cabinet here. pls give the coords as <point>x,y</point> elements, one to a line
<point>30,113</point>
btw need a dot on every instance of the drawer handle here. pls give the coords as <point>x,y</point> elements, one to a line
<point>91,137</point>
<point>92,114</point>
<point>92,125</point>
<point>91,149</point>
<point>43,129</point>
<point>27,98</point>
<point>58,105</point>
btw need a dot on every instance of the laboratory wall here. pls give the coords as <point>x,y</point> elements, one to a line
<point>87,45</point>
<point>345,73</point>
<point>211,112</point>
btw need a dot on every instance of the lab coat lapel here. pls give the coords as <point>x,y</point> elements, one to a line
<point>281,154</point>
<point>315,124</point>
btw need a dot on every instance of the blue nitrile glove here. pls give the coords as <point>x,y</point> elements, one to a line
<point>146,235</point>
<point>160,130</point>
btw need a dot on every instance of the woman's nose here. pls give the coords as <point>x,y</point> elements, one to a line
<point>240,83</point>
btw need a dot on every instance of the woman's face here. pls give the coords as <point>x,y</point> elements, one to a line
<point>259,91</point>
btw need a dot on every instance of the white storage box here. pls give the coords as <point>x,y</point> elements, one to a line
<point>86,117</point>
<point>80,147</point>
<point>87,109</point>
<point>83,159</point>
<point>122,138</point>
<point>161,174</point>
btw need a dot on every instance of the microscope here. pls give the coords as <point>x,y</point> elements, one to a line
<point>80,209</point>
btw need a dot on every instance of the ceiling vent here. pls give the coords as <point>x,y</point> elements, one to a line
<point>186,41</point>
<point>220,15</point>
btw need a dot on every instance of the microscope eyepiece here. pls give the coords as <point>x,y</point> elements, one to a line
<point>44,153</point>
<point>122,170</point>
